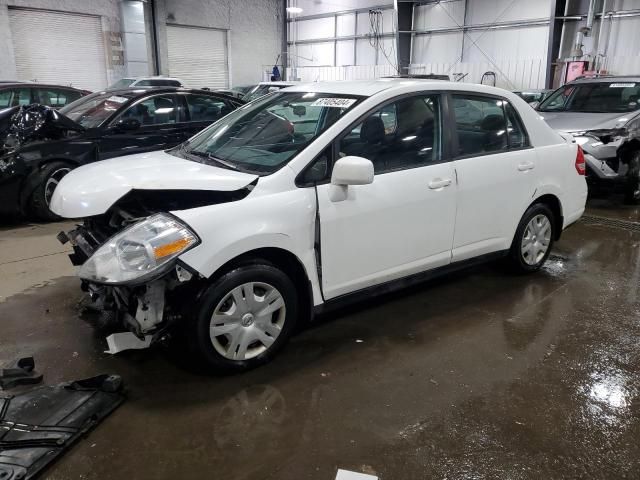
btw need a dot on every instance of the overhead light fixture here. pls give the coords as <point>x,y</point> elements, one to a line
<point>294,9</point>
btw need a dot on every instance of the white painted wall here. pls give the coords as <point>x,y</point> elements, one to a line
<point>516,53</point>
<point>620,40</point>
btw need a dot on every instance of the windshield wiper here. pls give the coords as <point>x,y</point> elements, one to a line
<point>212,158</point>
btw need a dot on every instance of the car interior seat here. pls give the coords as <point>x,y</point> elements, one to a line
<point>494,129</point>
<point>165,113</point>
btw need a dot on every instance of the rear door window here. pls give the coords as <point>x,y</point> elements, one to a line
<point>205,108</point>
<point>56,98</point>
<point>480,125</point>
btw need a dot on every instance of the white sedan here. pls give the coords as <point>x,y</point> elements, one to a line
<point>313,196</point>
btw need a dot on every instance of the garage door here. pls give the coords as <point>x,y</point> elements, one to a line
<point>59,48</point>
<point>198,56</point>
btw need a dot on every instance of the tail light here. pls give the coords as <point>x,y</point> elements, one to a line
<point>581,166</point>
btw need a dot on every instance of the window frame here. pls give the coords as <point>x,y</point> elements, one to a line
<point>453,128</point>
<point>335,142</point>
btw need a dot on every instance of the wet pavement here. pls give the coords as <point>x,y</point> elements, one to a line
<point>478,375</point>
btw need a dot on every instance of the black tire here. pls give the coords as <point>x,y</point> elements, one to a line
<point>198,334</point>
<point>46,180</point>
<point>517,259</point>
<point>632,181</point>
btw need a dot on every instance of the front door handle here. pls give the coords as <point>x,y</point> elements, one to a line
<point>523,167</point>
<point>437,183</point>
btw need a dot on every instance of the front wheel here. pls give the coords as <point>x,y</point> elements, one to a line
<point>244,318</point>
<point>533,239</point>
<point>48,178</point>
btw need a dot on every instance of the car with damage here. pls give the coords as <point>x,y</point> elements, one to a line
<point>603,114</point>
<point>311,197</point>
<point>40,145</point>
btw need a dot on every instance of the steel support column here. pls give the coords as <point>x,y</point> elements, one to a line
<point>404,14</point>
<point>555,35</point>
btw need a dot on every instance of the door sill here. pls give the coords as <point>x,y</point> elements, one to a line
<point>401,283</point>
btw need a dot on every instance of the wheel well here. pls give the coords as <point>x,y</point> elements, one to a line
<point>627,149</point>
<point>31,181</point>
<point>285,261</point>
<point>553,203</point>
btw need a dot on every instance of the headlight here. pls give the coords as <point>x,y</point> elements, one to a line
<point>140,251</point>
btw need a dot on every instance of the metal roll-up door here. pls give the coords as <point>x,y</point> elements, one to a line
<point>59,48</point>
<point>198,56</point>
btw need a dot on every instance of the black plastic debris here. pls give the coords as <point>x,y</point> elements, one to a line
<point>20,372</point>
<point>39,425</point>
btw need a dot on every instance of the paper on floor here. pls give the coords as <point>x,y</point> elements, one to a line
<point>347,475</point>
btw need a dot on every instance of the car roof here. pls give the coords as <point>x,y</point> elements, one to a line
<point>279,83</point>
<point>369,88</point>
<point>607,79</point>
<point>135,92</point>
<point>8,84</point>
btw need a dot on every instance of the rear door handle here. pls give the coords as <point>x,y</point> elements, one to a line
<point>523,167</point>
<point>439,183</point>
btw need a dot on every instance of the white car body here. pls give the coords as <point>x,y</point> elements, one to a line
<point>403,223</point>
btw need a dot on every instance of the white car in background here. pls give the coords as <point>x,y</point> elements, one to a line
<point>131,82</point>
<point>312,196</point>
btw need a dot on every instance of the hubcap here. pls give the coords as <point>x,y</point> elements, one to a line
<point>53,181</point>
<point>536,239</point>
<point>247,321</point>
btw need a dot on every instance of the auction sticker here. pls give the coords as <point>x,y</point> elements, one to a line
<point>622,85</point>
<point>334,102</point>
<point>115,98</point>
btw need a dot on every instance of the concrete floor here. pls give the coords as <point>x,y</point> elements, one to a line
<point>479,375</point>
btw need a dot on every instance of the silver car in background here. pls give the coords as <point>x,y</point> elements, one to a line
<point>603,115</point>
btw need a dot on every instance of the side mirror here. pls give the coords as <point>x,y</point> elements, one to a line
<point>128,124</point>
<point>534,105</point>
<point>347,171</point>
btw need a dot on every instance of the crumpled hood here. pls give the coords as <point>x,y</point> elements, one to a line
<point>92,189</point>
<point>576,122</point>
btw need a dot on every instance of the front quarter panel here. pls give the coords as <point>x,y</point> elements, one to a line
<point>283,220</point>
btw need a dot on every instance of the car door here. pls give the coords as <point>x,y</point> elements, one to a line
<point>403,222</point>
<point>202,110</point>
<point>150,123</point>
<point>495,169</point>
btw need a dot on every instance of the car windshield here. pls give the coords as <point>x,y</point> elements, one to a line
<point>94,109</point>
<point>266,134</point>
<point>597,97</point>
<point>122,83</point>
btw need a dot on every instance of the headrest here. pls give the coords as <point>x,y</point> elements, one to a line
<point>372,130</point>
<point>492,123</point>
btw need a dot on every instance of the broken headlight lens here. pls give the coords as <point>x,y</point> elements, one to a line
<point>140,251</point>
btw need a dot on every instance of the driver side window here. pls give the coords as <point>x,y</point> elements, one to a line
<point>157,110</point>
<point>404,134</point>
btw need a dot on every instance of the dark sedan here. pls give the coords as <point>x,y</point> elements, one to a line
<point>44,145</point>
<point>15,94</point>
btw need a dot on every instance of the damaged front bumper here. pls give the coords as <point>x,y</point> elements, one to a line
<point>145,311</point>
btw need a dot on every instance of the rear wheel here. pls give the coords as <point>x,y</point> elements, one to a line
<point>244,318</point>
<point>533,239</point>
<point>632,183</point>
<point>48,178</point>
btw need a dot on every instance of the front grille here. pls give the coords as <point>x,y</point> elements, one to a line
<point>612,222</point>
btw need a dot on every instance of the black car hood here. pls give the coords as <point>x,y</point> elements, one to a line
<point>34,122</point>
